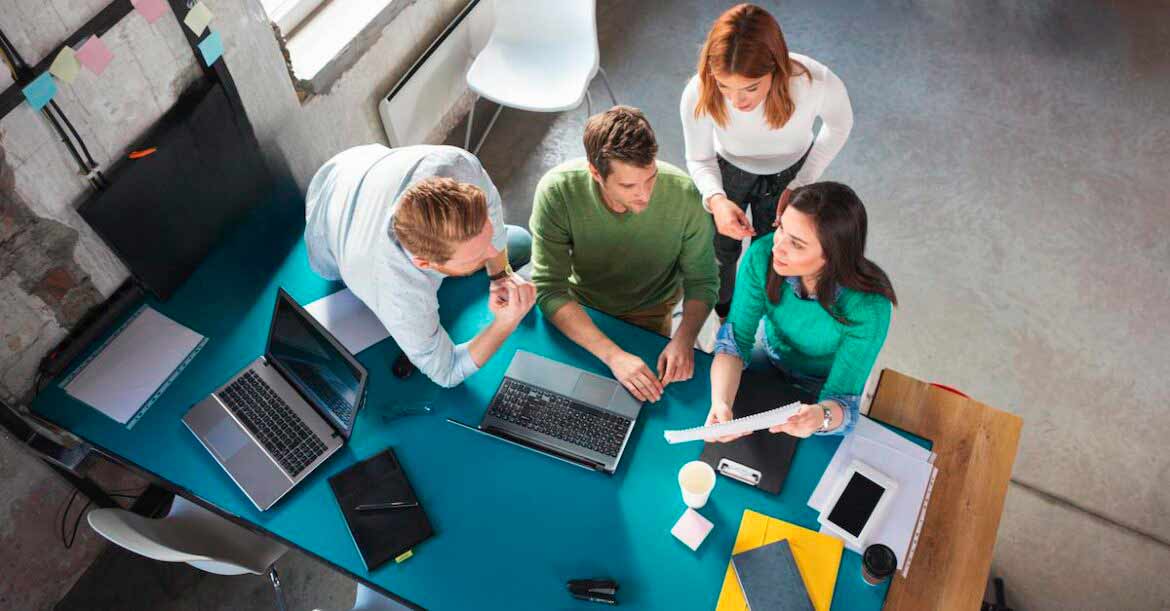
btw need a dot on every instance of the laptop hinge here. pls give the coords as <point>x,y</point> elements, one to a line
<point>561,454</point>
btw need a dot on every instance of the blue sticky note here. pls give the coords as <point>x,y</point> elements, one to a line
<point>40,91</point>
<point>211,48</point>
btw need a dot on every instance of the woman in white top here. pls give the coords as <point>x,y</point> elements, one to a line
<point>748,125</point>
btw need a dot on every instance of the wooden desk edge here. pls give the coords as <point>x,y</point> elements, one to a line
<point>949,571</point>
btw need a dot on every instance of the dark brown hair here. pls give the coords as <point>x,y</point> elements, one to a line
<point>840,219</point>
<point>746,41</point>
<point>621,133</point>
<point>436,214</point>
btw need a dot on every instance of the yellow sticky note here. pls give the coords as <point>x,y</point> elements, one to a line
<point>405,556</point>
<point>198,18</point>
<point>65,66</point>
<point>818,557</point>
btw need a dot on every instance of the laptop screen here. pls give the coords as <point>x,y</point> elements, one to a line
<point>316,364</point>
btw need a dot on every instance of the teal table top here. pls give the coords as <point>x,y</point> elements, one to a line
<point>511,526</point>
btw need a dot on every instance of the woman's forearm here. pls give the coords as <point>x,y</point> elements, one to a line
<point>725,373</point>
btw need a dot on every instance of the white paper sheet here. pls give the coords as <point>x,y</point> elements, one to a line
<point>875,432</point>
<point>127,371</point>
<point>747,424</point>
<point>349,320</point>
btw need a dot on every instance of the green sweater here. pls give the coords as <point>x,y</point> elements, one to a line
<point>619,263</point>
<point>801,334</point>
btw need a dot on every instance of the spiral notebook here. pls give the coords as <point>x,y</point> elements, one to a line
<point>385,534</point>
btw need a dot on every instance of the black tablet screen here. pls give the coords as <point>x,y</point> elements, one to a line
<point>856,504</point>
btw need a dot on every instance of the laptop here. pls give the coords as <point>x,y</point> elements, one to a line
<point>561,411</point>
<point>283,415</point>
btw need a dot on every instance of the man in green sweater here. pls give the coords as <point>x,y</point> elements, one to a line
<point>626,234</point>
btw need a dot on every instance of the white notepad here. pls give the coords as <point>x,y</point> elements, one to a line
<point>747,424</point>
<point>135,365</point>
<point>349,320</point>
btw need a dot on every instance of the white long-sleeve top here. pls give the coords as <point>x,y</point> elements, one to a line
<point>750,144</point>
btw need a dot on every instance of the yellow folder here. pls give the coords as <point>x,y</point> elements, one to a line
<point>817,557</point>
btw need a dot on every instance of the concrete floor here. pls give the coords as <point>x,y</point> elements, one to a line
<point>1013,159</point>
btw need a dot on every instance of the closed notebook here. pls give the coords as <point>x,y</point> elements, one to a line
<point>770,580</point>
<point>382,534</point>
<point>818,557</point>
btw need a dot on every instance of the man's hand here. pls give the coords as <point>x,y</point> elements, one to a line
<point>511,298</point>
<point>677,361</point>
<point>806,422</point>
<point>781,204</point>
<point>719,414</point>
<point>633,373</point>
<point>729,219</point>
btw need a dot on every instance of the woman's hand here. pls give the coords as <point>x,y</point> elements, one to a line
<point>806,422</point>
<point>719,414</point>
<point>781,204</point>
<point>729,219</point>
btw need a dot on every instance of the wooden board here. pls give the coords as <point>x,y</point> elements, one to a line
<point>976,446</point>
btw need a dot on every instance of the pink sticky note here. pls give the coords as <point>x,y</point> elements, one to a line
<point>150,9</point>
<point>692,529</point>
<point>95,55</point>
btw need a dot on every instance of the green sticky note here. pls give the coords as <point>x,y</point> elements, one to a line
<point>40,91</point>
<point>198,18</point>
<point>211,48</point>
<point>65,66</point>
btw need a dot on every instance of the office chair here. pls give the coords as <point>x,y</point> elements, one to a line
<point>192,534</point>
<point>541,57</point>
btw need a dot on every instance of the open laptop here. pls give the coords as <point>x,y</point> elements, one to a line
<point>283,415</point>
<point>562,411</point>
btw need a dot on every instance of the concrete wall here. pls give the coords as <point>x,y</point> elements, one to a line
<point>52,267</point>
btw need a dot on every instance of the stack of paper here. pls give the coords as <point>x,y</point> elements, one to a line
<point>817,557</point>
<point>909,464</point>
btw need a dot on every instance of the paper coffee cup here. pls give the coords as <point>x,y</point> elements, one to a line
<point>696,479</point>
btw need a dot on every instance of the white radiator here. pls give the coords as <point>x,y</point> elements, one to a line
<point>432,96</point>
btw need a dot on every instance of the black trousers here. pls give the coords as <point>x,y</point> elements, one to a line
<point>759,192</point>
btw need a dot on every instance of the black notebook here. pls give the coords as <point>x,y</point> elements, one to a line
<point>383,534</point>
<point>770,579</point>
<point>762,458</point>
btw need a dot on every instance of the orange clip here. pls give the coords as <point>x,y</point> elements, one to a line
<point>143,153</point>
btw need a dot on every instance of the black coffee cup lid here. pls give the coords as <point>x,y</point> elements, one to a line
<point>879,560</point>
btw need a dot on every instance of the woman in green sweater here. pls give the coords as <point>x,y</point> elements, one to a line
<point>825,311</point>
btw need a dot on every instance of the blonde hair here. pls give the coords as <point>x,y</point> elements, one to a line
<point>437,214</point>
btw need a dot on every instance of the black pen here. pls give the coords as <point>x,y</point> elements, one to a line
<point>381,506</point>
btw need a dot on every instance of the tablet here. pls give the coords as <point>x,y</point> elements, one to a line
<point>857,504</point>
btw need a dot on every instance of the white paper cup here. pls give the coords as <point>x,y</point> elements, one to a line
<point>696,479</point>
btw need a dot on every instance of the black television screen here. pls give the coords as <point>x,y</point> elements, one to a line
<point>164,211</point>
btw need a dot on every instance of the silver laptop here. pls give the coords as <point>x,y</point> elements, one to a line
<point>562,411</point>
<point>287,412</point>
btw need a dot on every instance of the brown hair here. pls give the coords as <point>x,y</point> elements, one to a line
<point>436,214</point>
<point>621,133</point>
<point>840,219</point>
<point>746,41</point>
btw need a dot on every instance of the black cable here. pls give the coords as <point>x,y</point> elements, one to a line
<point>68,540</point>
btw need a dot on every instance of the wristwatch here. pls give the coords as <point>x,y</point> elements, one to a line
<point>828,418</point>
<point>503,273</point>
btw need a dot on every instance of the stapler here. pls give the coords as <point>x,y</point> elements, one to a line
<point>594,590</point>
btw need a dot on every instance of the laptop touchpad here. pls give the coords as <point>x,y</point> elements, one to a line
<point>226,438</point>
<point>594,390</point>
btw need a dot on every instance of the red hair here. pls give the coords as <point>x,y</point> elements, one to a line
<point>746,41</point>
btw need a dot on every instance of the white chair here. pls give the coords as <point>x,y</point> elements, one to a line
<point>192,534</point>
<point>541,57</point>
<point>366,599</point>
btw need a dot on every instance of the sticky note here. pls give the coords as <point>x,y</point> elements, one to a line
<point>94,54</point>
<point>198,18</point>
<point>211,47</point>
<point>150,9</point>
<point>404,556</point>
<point>65,65</point>
<point>40,91</point>
<point>692,529</point>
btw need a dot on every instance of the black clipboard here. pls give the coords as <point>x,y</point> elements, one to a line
<point>385,534</point>
<point>761,459</point>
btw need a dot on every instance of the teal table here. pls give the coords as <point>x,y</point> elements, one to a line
<point>511,526</point>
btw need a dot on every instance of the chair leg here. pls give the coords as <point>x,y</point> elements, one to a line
<point>470,120</point>
<point>276,588</point>
<point>588,105</point>
<point>495,115</point>
<point>605,80</point>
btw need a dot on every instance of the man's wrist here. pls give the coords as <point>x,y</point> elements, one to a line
<point>502,273</point>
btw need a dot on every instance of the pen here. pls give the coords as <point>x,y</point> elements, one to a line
<point>381,506</point>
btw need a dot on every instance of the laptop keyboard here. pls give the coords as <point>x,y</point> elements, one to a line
<point>558,416</point>
<point>330,397</point>
<point>273,422</point>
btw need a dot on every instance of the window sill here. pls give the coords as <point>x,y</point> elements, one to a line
<point>331,40</point>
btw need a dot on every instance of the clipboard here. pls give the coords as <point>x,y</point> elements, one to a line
<point>760,460</point>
